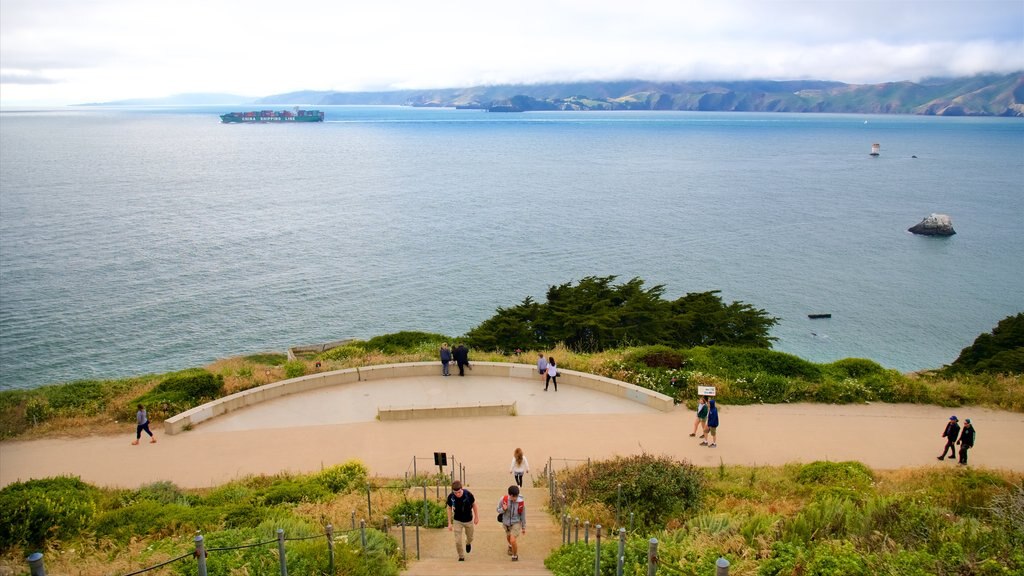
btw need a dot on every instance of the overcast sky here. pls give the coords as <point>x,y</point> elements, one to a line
<point>73,51</point>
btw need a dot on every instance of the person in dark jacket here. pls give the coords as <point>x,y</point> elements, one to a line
<point>461,355</point>
<point>446,358</point>
<point>712,429</point>
<point>966,441</point>
<point>950,434</point>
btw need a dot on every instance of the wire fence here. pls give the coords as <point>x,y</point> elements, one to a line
<point>418,483</point>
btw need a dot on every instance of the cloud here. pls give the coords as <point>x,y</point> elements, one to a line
<point>113,49</point>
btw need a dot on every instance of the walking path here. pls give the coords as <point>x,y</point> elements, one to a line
<point>489,556</point>
<point>306,432</point>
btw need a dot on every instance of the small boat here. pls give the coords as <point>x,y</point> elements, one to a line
<point>816,316</point>
<point>875,149</point>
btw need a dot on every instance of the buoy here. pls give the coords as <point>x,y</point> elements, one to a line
<point>875,148</point>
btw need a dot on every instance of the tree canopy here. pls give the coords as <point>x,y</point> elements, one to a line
<point>1001,351</point>
<point>596,314</point>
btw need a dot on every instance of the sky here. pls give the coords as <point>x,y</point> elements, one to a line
<point>75,51</point>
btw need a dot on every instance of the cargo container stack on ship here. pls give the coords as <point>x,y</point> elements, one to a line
<point>266,116</point>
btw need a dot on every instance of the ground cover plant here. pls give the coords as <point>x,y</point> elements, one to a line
<point>83,529</point>
<point>818,519</point>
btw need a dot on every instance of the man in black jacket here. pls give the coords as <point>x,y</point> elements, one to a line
<point>461,355</point>
<point>966,441</point>
<point>950,434</point>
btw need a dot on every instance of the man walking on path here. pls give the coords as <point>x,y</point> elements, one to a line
<point>950,434</point>
<point>966,441</point>
<point>462,515</point>
<point>513,517</point>
<point>542,364</point>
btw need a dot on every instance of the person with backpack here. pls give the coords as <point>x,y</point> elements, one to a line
<point>462,516</point>
<point>512,515</point>
<point>702,418</point>
<point>966,441</point>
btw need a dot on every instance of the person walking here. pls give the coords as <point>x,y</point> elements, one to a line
<point>950,434</point>
<point>512,510</point>
<point>520,465</point>
<point>966,441</point>
<point>701,421</point>
<point>461,355</point>
<point>142,425</point>
<point>552,374</point>
<point>711,433</point>
<point>542,364</point>
<point>462,516</point>
<point>446,358</point>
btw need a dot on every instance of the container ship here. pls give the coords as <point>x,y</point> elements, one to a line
<point>272,116</point>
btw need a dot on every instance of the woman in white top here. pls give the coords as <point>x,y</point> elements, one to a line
<point>520,465</point>
<point>552,374</point>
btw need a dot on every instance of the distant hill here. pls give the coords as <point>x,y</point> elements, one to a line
<point>983,95</point>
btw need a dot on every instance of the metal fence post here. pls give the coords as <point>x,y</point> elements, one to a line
<point>330,549</point>
<point>622,552</point>
<point>722,567</point>
<point>652,556</point>
<point>418,540</point>
<point>362,532</point>
<point>405,554</point>
<point>280,552</point>
<point>577,529</point>
<point>353,519</point>
<point>597,552</point>
<point>35,564</point>
<point>369,513</point>
<point>413,466</point>
<point>201,554</point>
<point>586,531</point>
<point>630,521</point>
<point>618,504</point>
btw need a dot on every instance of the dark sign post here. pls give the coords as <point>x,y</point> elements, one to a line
<point>440,460</point>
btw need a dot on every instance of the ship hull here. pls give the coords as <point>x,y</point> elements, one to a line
<point>272,117</point>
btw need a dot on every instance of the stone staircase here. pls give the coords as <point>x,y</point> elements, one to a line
<point>489,556</point>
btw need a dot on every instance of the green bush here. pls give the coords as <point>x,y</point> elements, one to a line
<point>846,474</point>
<point>294,490</point>
<point>345,477</point>
<point>653,488</point>
<point>180,391</point>
<point>828,517</point>
<point>294,369</point>
<point>658,356</point>
<point>401,342</point>
<point>341,353</point>
<point>37,511</point>
<point>152,518</point>
<point>269,358</point>
<point>412,513</point>
<point>743,361</point>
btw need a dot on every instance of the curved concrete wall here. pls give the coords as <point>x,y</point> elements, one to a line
<point>199,414</point>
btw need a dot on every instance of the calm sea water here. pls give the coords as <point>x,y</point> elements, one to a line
<point>136,241</point>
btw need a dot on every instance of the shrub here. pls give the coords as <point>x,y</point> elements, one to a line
<point>401,342</point>
<point>345,477</point>
<point>656,357</point>
<point>411,511</point>
<point>269,359</point>
<point>852,475</point>
<point>292,490</point>
<point>653,488</point>
<point>152,518</point>
<point>753,360</point>
<point>37,511</point>
<point>829,517</point>
<point>294,369</point>
<point>180,391</point>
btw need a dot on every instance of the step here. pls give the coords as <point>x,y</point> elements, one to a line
<point>452,567</point>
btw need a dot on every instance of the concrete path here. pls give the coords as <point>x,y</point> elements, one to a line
<point>306,432</point>
<point>438,556</point>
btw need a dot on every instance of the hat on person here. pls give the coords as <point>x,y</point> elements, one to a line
<point>968,421</point>
<point>952,418</point>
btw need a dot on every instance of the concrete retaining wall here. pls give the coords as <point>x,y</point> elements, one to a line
<point>450,411</point>
<point>199,414</point>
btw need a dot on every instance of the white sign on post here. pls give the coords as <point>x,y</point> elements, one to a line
<point>705,390</point>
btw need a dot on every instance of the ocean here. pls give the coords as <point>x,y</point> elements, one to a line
<point>145,240</point>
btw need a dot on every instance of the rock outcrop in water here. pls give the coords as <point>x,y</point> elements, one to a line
<point>934,225</point>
